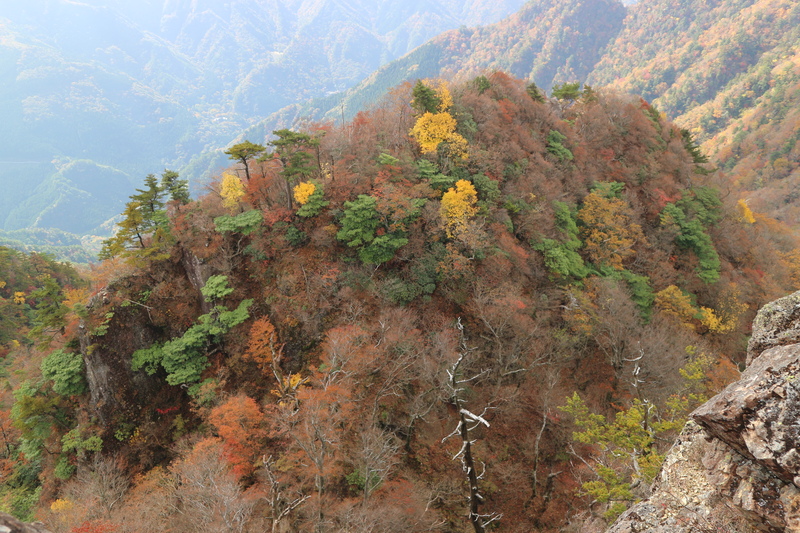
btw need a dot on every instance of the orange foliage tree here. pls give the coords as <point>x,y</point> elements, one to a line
<point>238,422</point>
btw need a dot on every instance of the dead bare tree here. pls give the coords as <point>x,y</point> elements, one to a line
<point>468,422</point>
<point>281,504</point>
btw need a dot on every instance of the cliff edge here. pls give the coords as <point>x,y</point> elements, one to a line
<point>736,465</point>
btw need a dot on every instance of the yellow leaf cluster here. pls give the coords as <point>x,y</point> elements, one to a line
<point>288,388</point>
<point>61,505</point>
<point>295,380</point>
<point>608,232</point>
<point>2,284</point>
<point>231,190</point>
<point>433,129</point>
<point>443,92</point>
<point>714,322</point>
<point>458,206</point>
<point>729,313</point>
<point>677,303</point>
<point>303,191</point>
<point>75,296</point>
<point>19,297</point>
<point>745,214</point>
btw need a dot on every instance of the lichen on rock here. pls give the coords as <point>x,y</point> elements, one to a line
<point>776,324</point>
<point>736,465</point>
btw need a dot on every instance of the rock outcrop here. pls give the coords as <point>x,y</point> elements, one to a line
<point>114,389</point>
<point>736,466</point>
<point>9,524</point>
<point>777,324</point>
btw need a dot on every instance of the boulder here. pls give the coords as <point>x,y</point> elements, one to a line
<point>736,465</point>
<point>776,324</point>
<point>759,415</point>
<point>9,524</point>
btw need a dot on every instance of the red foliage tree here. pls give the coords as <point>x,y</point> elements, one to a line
<point>238,422</point>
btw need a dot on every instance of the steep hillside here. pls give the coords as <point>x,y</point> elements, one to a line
<point>123,89</point>
<point>546,41</point>
<point>387,315</point>
<point>728,72</point>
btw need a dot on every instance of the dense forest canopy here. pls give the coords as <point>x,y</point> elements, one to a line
<point>471,305</point>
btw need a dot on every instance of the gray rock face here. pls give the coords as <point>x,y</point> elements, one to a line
<point>776,324</point>
<point>705,486</point>
<point>759,415</point>
<point>736,467</point>
<point>9,524</point>
<point>113,387</point>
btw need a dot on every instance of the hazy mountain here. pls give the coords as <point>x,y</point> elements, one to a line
<point>546,41</point>
<point>97,94</point>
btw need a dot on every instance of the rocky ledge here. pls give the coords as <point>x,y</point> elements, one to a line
<point>736,466</point>
<point>9,524</point>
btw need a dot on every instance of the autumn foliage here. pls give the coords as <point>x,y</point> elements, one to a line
<point>322,315</point>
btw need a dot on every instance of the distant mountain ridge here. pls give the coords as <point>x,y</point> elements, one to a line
<point>545,41</point>
<point>122,89</point>
<point>729,72</point>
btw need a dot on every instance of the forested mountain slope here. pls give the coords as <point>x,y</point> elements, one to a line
<point>97,94</point>
<point>340,340</point>
<point>729,72</point>
<point>546,41</point>
<point>726,71</point>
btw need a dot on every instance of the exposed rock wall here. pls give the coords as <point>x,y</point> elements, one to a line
<point>114,389</point>
<point>736,466</point>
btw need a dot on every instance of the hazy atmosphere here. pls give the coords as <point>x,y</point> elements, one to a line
<point>388,266</point>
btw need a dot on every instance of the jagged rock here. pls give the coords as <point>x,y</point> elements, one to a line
<point>198,273</point>
<point>706,486</point>
<point>758,416</point>
<point>113,386</point>
<point>9,524</point>
<point>776,324</point>
<point>736,467</point>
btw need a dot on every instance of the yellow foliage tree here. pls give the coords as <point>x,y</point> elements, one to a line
<point>791,262</point>
<point>677,303</point>
<point>433,129</point>
<point>729,313</point>
<point>303,191</point>
<point>458,207</point>
<point>607,230</point>
<point>61,505</point>
<point>231,190</point>
<point>445,98</point>
<point>745,214</point>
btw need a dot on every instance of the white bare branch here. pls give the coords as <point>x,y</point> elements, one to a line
<point>474,418</point>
